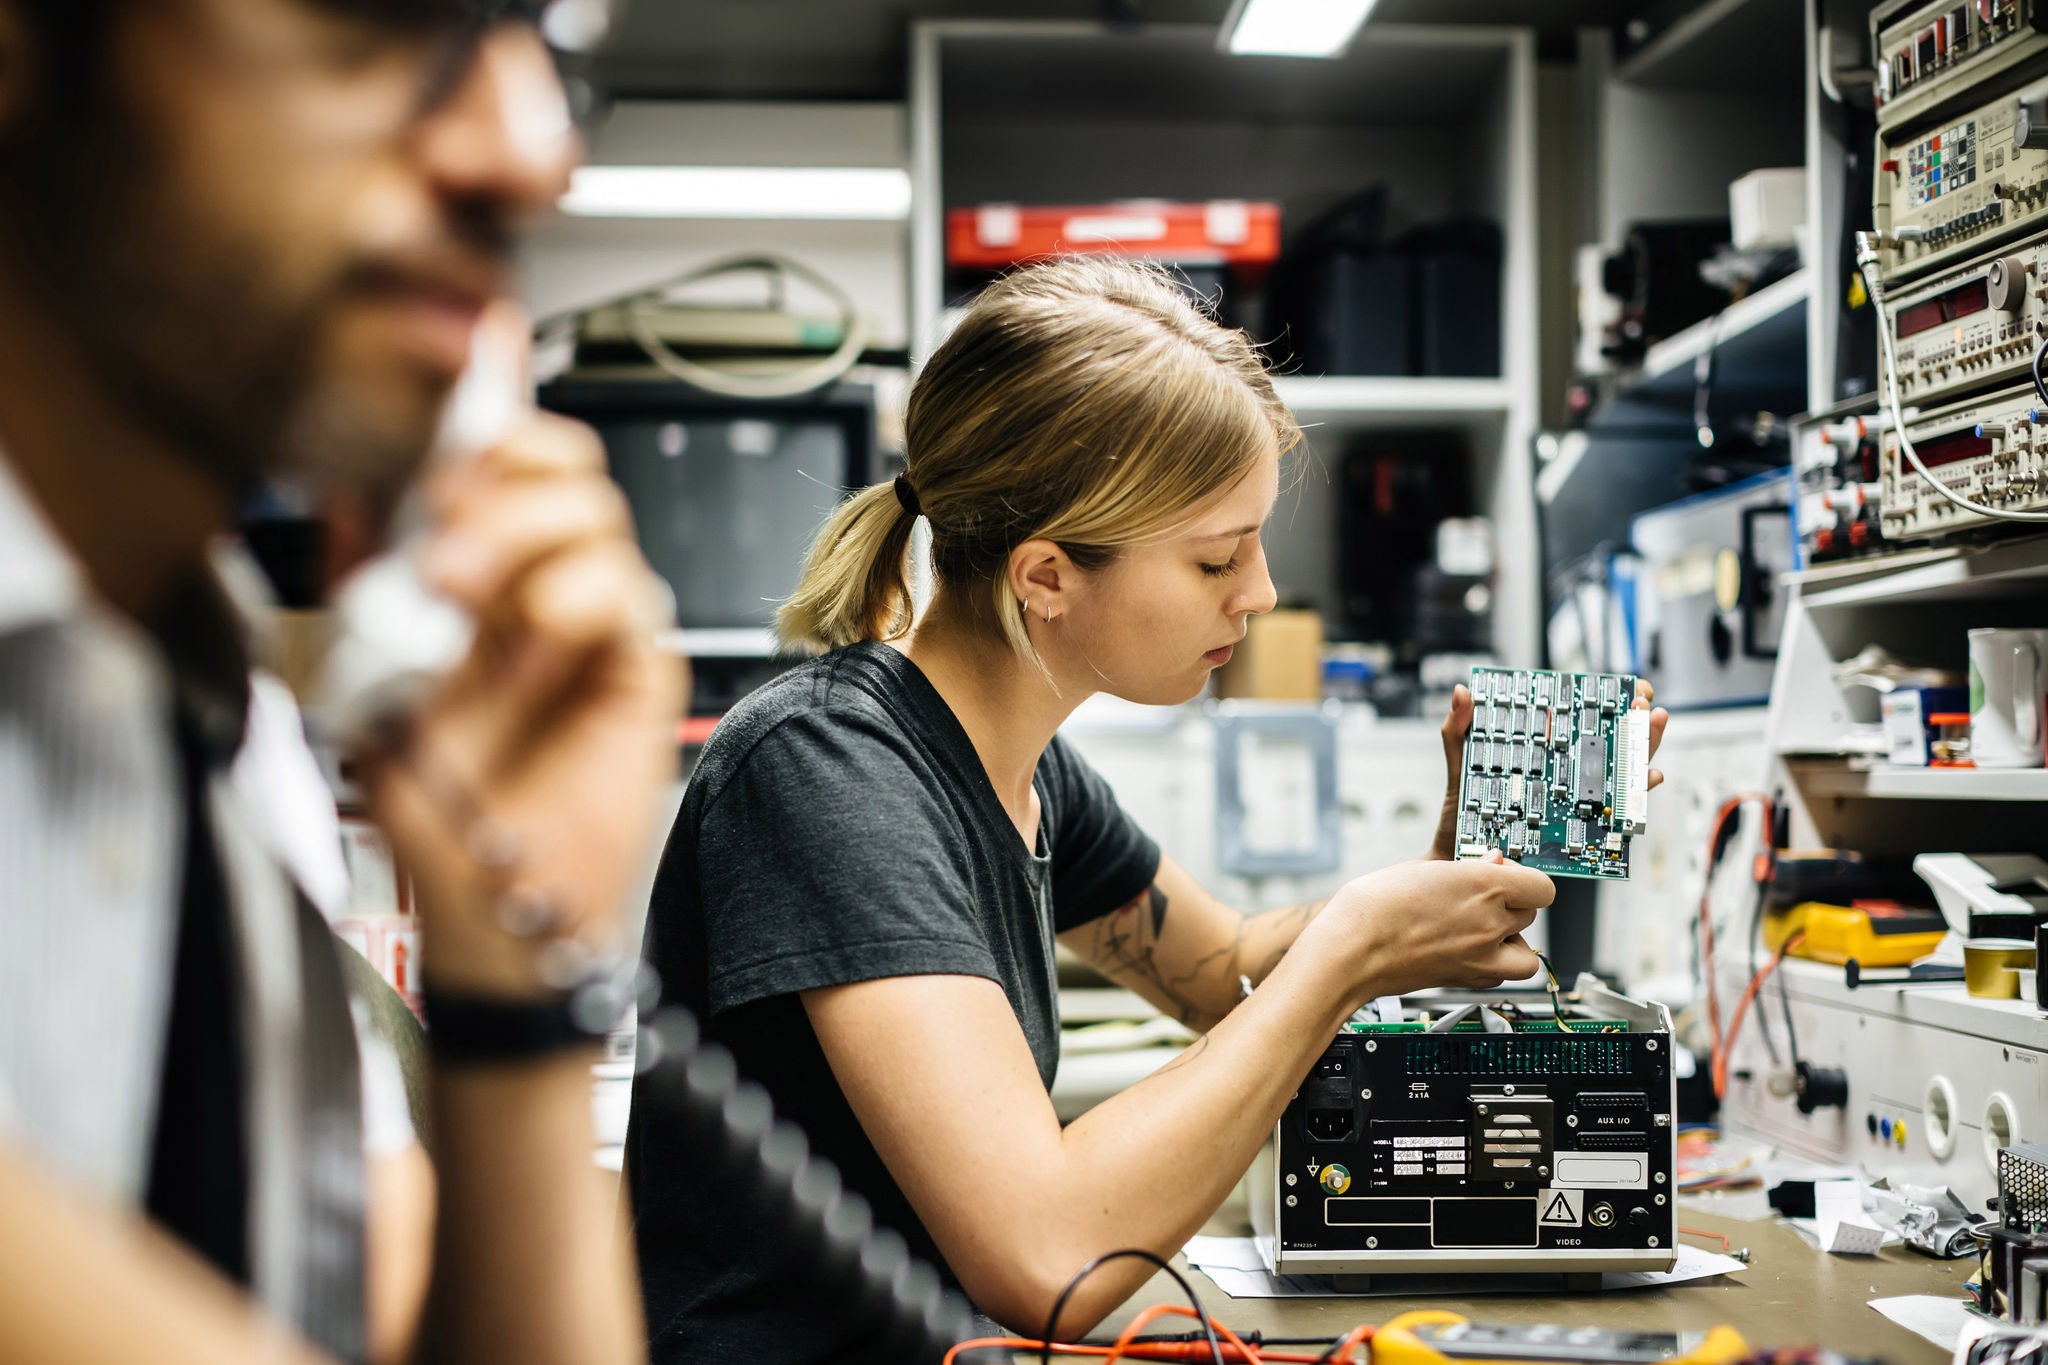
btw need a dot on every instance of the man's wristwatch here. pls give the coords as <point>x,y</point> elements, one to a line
<point>471,1028</point>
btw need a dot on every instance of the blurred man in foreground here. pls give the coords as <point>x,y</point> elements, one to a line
<point>246,240</point>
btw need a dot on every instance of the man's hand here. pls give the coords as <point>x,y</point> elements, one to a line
<point>554,737</point>
<point>1459,723</point>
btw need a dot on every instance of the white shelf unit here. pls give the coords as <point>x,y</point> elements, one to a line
<point>1920,608</point>
<point>1059,112</point>
<point>1918,603</point>
<point>1819,778</point>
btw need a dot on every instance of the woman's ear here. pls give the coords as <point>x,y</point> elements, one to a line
<point>1042,576</point>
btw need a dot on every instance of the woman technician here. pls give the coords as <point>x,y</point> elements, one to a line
<point>878,849</point>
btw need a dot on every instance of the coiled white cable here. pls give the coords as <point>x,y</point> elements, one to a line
<point>793,383</point>
<point>1866,264</point>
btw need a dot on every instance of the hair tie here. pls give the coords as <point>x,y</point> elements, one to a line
<point>907,495</point>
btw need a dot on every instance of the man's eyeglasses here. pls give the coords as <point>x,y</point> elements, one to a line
<point>572,29</point>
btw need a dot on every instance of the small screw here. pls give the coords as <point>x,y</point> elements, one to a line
<point>1543,1170</point>
<point>1507,1090</point>
<point>1660,1201</point>
<point>1655,1243</point>
<point>1659,1177</point>
<point>1371,1046</point>
<point>1484,1110</point>
<point>1292,1201</point>
<point>1571,1120</point>
<point>1371,1243</point>
<point>1292,1179</point>
<point>1649,1044</point>
<point>1365,1094</point>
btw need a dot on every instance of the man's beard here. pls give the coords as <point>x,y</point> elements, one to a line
<point>183,326</point>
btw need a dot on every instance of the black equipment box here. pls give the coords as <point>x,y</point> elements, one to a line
<point>1479,1133</point>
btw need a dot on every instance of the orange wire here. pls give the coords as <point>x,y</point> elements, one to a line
<point>1742,1007</point>
<point>1127,1347</point>
<point>1139,1324</point>
<point>1720,1237</point>
<point>1717,1047</point>
<point>1161,1310</point>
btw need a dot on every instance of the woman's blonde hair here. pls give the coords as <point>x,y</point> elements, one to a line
<point>1086,401</point>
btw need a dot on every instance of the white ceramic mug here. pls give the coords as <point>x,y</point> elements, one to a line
<point>2008,698</point>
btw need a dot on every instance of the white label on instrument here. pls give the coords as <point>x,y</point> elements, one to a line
<point>1603,1171</point>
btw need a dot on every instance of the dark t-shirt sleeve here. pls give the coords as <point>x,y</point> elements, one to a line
<point>824,860</point>
<point>1101,860</point>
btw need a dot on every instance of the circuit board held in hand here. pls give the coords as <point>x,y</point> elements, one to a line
<point>1556,771</point>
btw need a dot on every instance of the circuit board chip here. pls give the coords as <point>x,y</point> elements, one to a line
<point>1580,759</point>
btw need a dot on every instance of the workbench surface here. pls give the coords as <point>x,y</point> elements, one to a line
<point>1790,1294</point>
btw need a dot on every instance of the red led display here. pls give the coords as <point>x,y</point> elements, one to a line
<point>1962,445</point>
<point>1958,302</point>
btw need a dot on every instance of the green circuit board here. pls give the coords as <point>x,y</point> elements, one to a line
<point>1556,766</point>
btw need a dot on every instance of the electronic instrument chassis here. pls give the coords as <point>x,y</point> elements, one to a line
<point>1549,1148</point>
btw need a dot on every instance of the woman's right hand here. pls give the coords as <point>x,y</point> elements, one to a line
<point>1428,923</point>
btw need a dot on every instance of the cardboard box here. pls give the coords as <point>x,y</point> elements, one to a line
<point>1279,659</point>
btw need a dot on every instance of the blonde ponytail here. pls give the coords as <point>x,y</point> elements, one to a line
<point>1087,401</point>
<point>856,578</point>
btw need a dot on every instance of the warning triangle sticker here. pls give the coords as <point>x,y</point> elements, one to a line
<point>1565,1209</point>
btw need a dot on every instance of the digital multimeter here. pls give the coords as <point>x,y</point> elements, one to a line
<point>1439,1338</point>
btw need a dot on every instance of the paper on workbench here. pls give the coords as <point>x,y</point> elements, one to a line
<point>1940,1319</point>
<point>1840,1223</point>
<point>1239,1269</point>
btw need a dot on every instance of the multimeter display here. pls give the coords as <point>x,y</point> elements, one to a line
<point>1581,1345</point>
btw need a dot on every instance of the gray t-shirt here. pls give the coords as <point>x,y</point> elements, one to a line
<point>840,828</point>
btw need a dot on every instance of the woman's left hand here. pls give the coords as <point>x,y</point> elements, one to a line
<point>1459,722</point>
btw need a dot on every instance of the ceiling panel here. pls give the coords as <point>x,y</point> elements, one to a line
<point>856,49</point>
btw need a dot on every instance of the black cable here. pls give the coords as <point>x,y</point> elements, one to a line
<point>1059,1305</point>
<point>1329,1354</point>
<point>1763,1017</point>
<point>1791,1038</point>
<point>866,1270</point>
<point>2040,385</point>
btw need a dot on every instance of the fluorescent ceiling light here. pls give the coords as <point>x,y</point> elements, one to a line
<point>1293,28</point>
<point>840,193</point>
